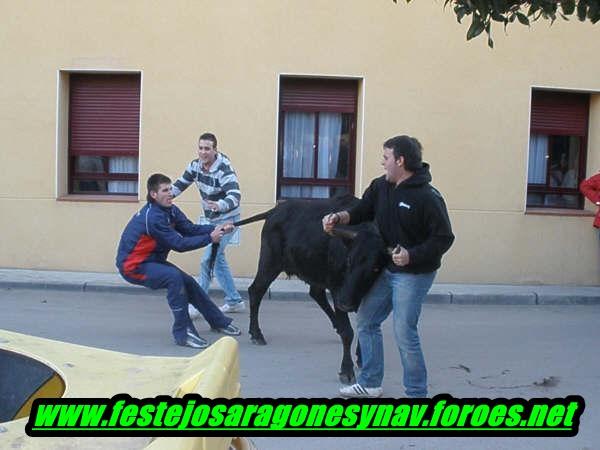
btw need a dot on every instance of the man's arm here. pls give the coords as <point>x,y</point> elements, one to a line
<point>439,232</point>
<point>591,189</point>
<point>166,236</point>
<point>186,227</point>
<point>364,211</point>
<point>183,181</point>
<point>230,185</point>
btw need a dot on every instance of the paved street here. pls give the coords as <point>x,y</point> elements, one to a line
<point>471,350</point>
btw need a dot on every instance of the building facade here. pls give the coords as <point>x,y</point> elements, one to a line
<point>97,95</point>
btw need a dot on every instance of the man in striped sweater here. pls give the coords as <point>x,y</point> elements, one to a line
<point>220,191</point>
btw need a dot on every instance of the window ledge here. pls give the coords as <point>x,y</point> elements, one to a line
<point>559,212</point>
<point>98,198</point>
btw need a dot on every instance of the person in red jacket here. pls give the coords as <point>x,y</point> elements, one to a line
<point>591,189</point>
<point>150,235</point>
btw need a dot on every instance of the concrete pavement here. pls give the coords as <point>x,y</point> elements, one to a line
<point>293,289</point>
<point>471,350</point>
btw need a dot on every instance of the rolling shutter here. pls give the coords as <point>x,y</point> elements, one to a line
<point>104,114</point>
<point>313,95</point>
<point>559,113</point>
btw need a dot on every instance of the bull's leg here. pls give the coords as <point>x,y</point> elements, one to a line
<point>346,332</point>
<point>341,323</point>
<point>256,292</point>
<point>320,297</point>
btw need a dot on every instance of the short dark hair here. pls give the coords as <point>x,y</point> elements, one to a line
<point>209,137</point>
<point>408,147</point>
<point>154,182</point>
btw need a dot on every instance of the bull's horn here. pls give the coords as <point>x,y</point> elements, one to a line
<point>343,233</point>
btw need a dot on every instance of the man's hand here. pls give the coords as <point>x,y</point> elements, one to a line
<point>400,256</point>
<point>217,234</point>
<point>213,206</point>
<point>228,227</point>
<point>330,221</point>
<point>333,219</point>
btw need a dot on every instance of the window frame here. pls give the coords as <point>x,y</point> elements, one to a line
<point>314,181</point>
<point>552,133</point>
<point>71,154</point>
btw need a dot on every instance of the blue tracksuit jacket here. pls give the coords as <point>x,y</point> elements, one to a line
<point>154,231</point>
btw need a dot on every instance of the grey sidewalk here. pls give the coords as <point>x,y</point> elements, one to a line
<point>293,289</point>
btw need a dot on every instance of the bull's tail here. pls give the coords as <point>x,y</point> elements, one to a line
<point>239,223</point>
<point>256,218</point>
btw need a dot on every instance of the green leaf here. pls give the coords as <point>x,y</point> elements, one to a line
<point>460,12</point>
<point>476,28</point>
<point>499,6</point>
<point>498,17</point>
<point>482,6</point>
<point>582,10</point>
<point>523,18</point>
<point>594,12</point>
<point>568,6</point>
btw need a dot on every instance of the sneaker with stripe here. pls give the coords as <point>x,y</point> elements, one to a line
<point>193,341</point>
<point>230,330</point>
<point>358,391</point>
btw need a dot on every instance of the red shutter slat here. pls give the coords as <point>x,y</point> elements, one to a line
<point>104,113</point>
<point>312,95</point>
<point>559,113</point>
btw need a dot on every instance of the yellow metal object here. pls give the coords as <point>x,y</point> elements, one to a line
<point>53,388</point>
<point>92,372</point>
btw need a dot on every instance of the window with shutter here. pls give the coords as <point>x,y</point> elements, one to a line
<point>557,149</point>
<point>317,137</point>
<point>104,129</point>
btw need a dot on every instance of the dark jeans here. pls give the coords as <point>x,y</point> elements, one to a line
<point>181,290</point>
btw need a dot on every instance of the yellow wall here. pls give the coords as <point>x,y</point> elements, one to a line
<point>212,65</point>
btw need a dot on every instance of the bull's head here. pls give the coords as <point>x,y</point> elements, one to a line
<point>366,258</point>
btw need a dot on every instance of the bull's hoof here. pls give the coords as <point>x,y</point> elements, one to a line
<point>347,378</point>
<point>258,340</point>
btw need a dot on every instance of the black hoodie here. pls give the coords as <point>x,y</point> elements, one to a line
<point>413,215</point>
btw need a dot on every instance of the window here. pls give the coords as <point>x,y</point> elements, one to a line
<point>557,149</point>
<point>104,118</point>
<point>317,126</point>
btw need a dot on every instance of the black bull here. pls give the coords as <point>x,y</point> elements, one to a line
<point>347,264</point>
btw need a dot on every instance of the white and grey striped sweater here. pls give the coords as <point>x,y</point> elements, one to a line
<point>218,184</point>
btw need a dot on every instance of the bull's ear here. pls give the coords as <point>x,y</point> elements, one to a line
<point>344,233</point>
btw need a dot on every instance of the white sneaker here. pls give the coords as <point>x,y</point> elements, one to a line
<point>357,391</point>
<point>236,307</point>
<point>193,312</point>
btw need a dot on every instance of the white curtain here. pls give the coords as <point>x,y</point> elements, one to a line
<point>122,164</point>
<point>538,150</point>
<point>330,129</point>
<point>298,151</point>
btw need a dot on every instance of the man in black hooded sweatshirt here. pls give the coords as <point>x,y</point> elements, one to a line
<point>413,220</point>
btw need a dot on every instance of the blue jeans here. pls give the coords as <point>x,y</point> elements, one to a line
<point>402,293</point>
<point>221,270</point>
<point>181,290</point>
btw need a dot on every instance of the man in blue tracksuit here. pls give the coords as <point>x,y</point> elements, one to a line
<point>156,229</point>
